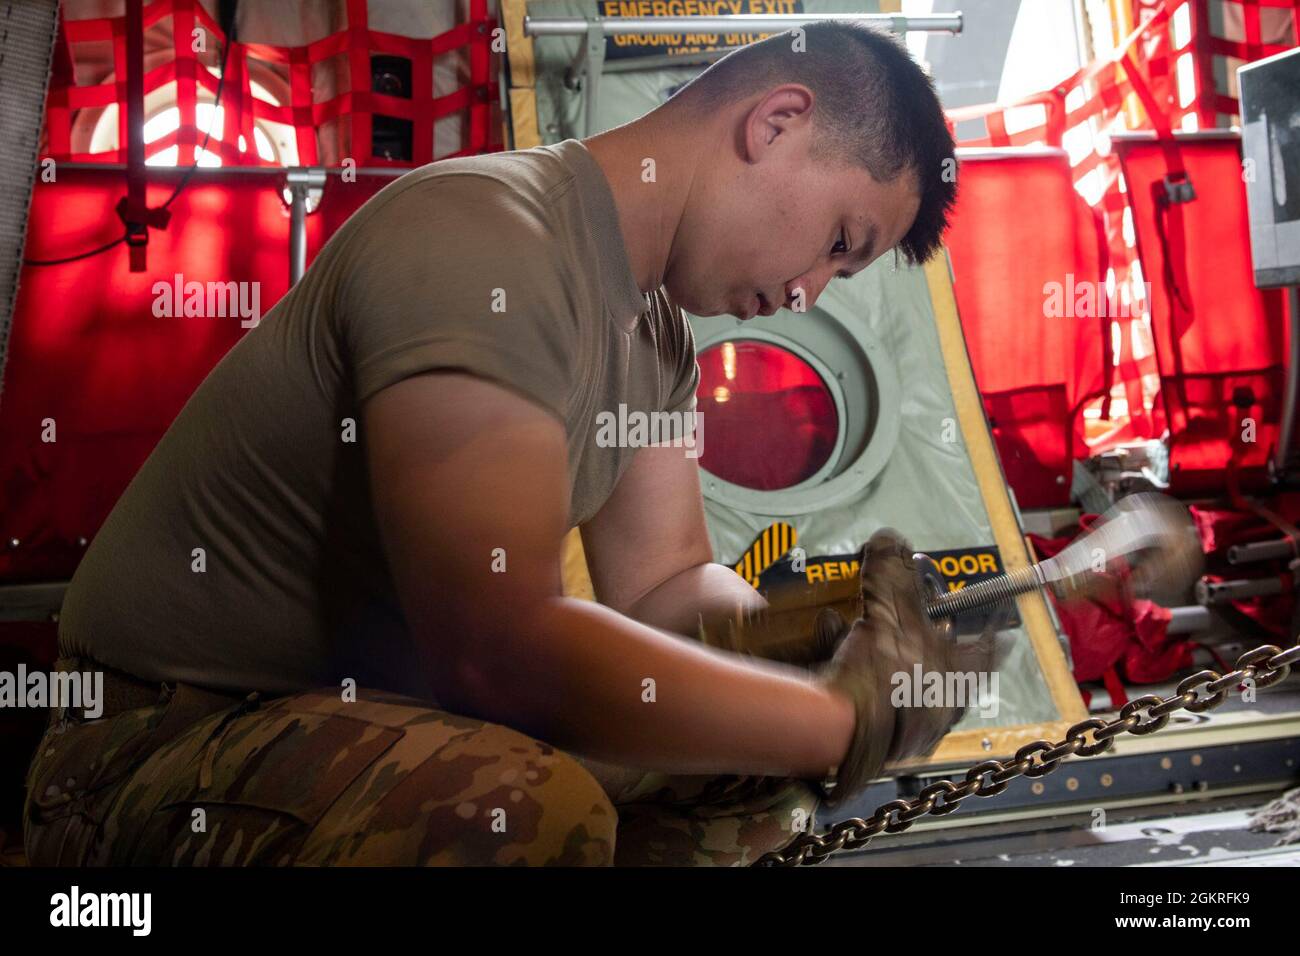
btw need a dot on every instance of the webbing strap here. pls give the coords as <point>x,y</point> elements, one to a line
<point>132,118</point>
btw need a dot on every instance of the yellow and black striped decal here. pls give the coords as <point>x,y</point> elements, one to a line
<point>772,543</point>
<point>762,567</point>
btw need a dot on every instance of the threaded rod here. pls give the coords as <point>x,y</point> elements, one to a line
<point>986,593</point>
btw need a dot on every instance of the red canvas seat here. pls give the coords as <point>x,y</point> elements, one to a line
<point>1020,225</point>
<point>1219,341</point>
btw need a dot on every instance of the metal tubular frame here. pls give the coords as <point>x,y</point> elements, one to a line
<point>301,180</point>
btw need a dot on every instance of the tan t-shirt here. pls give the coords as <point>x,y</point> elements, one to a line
<point>509,266</point>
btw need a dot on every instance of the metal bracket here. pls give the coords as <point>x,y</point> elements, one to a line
<point>1178,188</point>
<point>585,70</point>
<point>301,182</point>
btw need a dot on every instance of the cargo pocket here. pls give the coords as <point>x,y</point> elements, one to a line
<point>73,777</point>
<point>261,784</point>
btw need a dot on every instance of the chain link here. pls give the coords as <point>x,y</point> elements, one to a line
<point>1202,691</point>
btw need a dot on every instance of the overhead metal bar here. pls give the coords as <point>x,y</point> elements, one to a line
<point>756,23</point>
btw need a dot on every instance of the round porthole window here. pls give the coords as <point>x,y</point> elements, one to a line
<point>793,424</point>
<point>749,388</point>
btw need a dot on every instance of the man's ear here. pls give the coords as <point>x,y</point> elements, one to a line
<point>783,115</point>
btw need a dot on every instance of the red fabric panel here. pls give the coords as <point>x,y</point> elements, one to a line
<point>1033,371</point>
<point>1218,339</point>
<point>87,351</point>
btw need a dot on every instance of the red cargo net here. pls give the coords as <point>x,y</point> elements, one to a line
<point>1226,35</point>
<point>350,111</point>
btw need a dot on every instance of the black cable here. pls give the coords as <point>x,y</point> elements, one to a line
<point>216,103</point>
<point>81,255</point>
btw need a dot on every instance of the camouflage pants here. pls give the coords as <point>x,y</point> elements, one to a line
<point>312,779</point>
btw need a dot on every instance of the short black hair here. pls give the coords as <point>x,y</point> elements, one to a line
<point>874,106</point>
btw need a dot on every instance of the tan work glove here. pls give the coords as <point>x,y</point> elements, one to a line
<point>891,635</point>
<point>802,624</point>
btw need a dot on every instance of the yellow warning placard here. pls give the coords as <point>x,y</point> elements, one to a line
<point>680,44</point>
<point>775,558</point>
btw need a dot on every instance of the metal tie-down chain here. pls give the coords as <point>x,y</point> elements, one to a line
<point>1265,666</point>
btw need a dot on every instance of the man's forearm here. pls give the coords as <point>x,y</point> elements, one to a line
<point>591,680</point>
<point>712,591</point>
